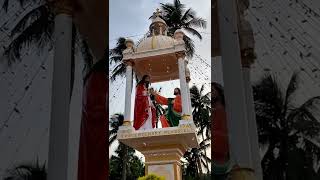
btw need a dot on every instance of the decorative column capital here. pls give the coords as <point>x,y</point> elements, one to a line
<point>126,123</point>
<point>186,117</point>
<point>63,7</point>
<point>247,57</point>
<point>188,79</point>
<point>180,55</point>
<point>128,62</point>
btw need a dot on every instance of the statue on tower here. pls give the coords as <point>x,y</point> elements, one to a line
<point>173,115</point>
<point>144,110</point>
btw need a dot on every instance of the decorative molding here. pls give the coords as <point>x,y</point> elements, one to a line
<point>181,55</point>
<point>178,48</point>
<point>247,57</point>
<point>185,128</point>
<point>186,117</point>
<point>128,62</point>
<point>126,123</point>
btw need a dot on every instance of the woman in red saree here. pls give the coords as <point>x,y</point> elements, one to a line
<point>220,150</point>
<point>144,111</point>
<point>93,148</point>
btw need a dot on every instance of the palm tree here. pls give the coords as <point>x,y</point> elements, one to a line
<point>177,17</point>
<point>28,172</point>
<point>115,56</point>
<point>115,122</point>
<point>282,124</point>
<point>196,158</point>
<point>201,113</point>
<point>37,28</point>
<point>135,167</point>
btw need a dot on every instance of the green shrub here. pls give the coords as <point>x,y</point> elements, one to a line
<point>152,177</point>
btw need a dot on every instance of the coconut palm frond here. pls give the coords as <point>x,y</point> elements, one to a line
<point>303,119</point>
<point>190,48</point>
<point>30,17</point>
<point>39,32</point>
<point>112,139</point>
<point>115,54</point>
<point>268,98</point>
<point>193,32</point>
<point>5,4</point>
<point>197,23</point>
<point>292,87</point>
<point>115,122</point>
<point>119,70</point>
<point>188,15</point>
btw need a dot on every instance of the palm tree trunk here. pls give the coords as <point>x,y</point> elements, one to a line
<point>205,153</point>
<point>199,166</point>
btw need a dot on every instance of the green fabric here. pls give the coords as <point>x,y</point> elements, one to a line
<point>172,115</point>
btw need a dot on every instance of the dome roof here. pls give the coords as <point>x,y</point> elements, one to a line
<point>158,20</point>
<point>155,42</point>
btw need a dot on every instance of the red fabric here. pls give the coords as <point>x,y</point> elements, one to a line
<point>141,108</point>
<point>177,104</point>
<point>220,150</point>
<point>164,101</point>
<point>164,121</point>
<point>93,148</point>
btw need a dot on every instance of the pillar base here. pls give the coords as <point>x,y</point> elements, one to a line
<point>164,162</point>
<point>162,148</point>
<point>238,173</point>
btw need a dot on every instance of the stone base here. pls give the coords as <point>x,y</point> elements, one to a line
<point>169,168</point>
<point>162,148</point>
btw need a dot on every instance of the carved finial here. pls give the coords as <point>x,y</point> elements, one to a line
<point>158,12</point>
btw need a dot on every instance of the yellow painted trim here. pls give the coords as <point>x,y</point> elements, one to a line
<point>153,44</point>
<point>163,158</point>
<point>186,117</point>
<point>126,123</point>
<point>163,147</point>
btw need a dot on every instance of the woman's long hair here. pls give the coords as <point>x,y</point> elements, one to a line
<point>220,93</point>
<point>143,80</point>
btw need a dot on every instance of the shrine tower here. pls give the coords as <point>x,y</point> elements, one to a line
<point>163,58</point>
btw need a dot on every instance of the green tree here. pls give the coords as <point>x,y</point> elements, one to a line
<point>28,172</point>
<point>125,164</point>
<point>196,158</point>
<point>151,177</point>
<point>115,56</point>
<point>201,114</point>
<point>115,122</point>
<point>282,125</point>
<point>133,164</point>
